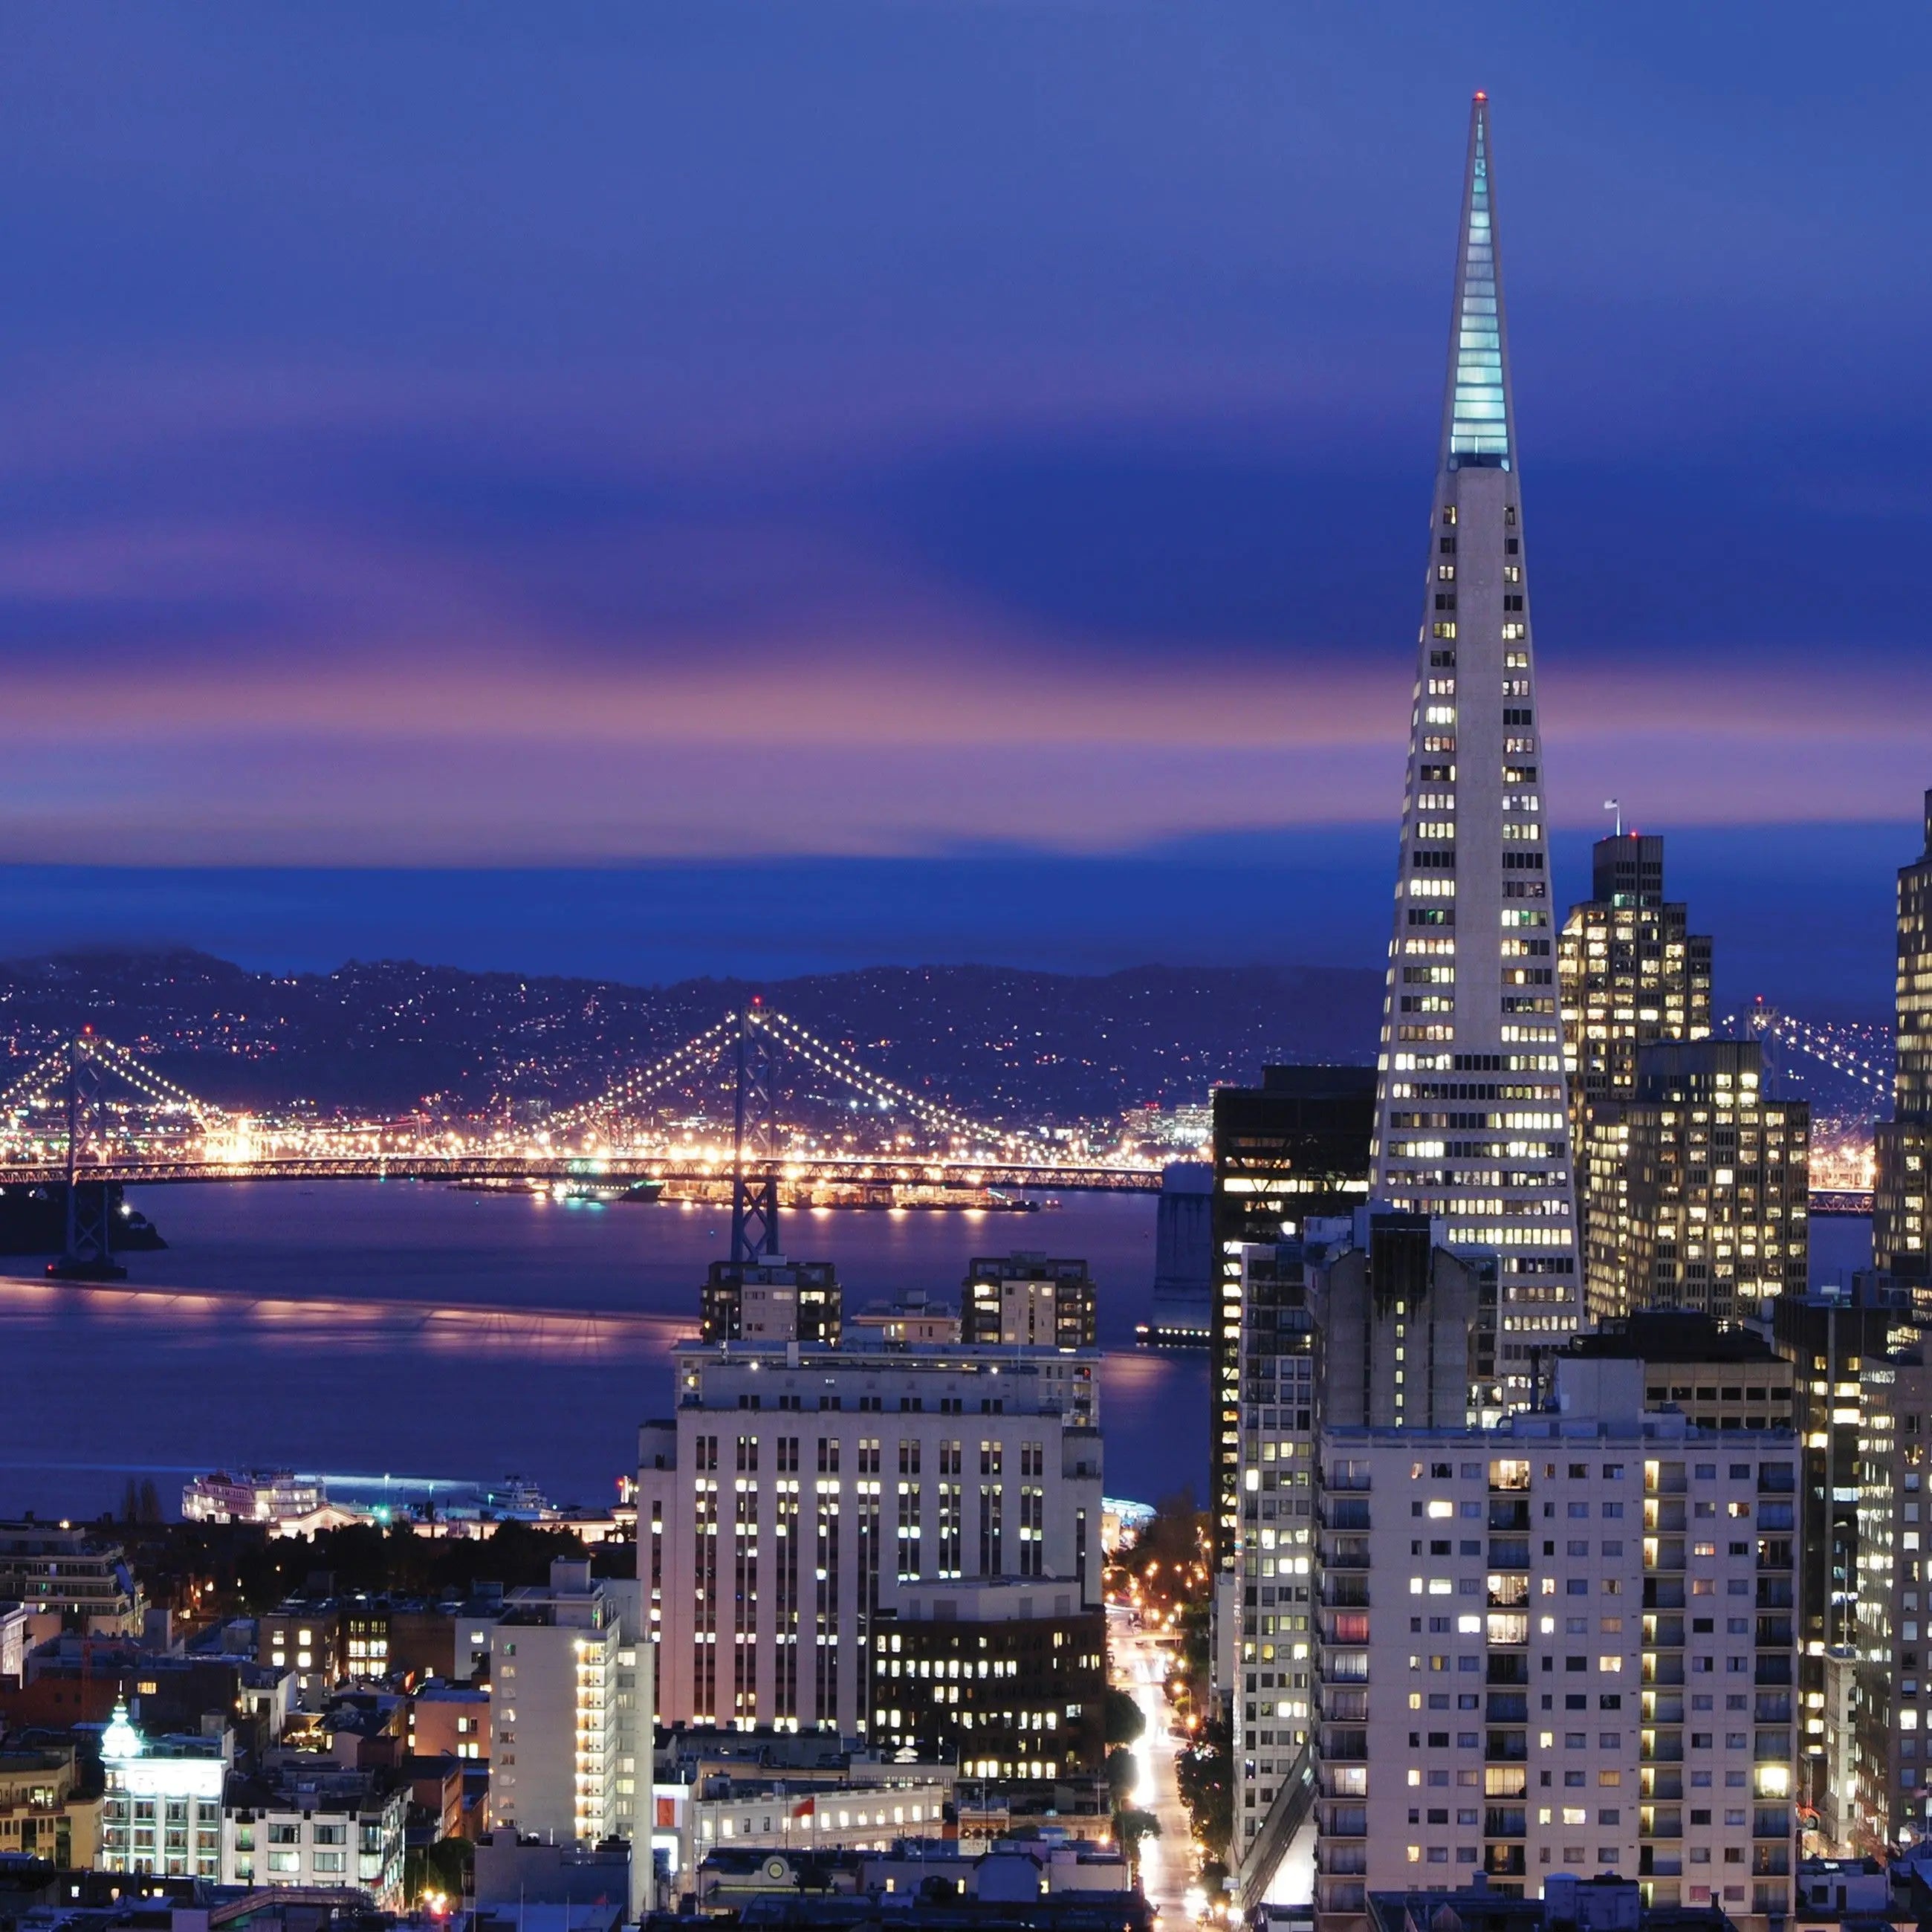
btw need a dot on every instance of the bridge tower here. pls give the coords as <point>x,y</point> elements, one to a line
<point>88,1254</point>
<point>754,1197</point>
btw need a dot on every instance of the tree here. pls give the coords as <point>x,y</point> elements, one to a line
<point>1125,1723</point>
<point>1131,1825</point>
<point>1122,1774</point>
<point>1204,1774</point>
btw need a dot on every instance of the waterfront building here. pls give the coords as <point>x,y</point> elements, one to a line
<point>772,1299</point>
<point>162,1809</point>
<point>1472,1120</point>
<point>1004,1678</point>
<point>1630,973</point>
<point>797,1490</point>
<point>1561,1646</point>
<point>564,1718</point>
<point>74,1570</point>
<point>1902,1201</point>
<point>1698,1187</point>
<point>255,1496</point>
<point>1294,1146</point>
<point>1028,1301</point>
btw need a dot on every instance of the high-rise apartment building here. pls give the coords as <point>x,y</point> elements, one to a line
<point>1472,1124</point>
<point>1563,1646</point>
<point>1028,1301</point>
<point>1697,1187</point>
<point>1630,972</point>
<point>566,1715</point>
<point>1296,1147</point>
<point>772,1299</point>
<point>1902,1202</point>
<point>797,1488</point>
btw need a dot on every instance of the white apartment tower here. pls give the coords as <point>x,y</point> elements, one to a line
<point>1472,1123</point>
<point>1563,1646</point>
<point>797,1489</point>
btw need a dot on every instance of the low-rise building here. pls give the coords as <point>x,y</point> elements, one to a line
<point>42,1814</point>
<point>305,1823</point>
<point>74,1570</point>
<point>161,1813</point>
<point>450,1720</point>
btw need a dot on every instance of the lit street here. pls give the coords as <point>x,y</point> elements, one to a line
<point>1167,1863</point>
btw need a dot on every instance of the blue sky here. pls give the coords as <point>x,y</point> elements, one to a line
<point>963,466</point>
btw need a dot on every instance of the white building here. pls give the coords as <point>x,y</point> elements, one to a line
<point>255,1496</point>
<point>778,1511</point>
<point>1471,1114</point>
<point>309,1824</point>
<point>162,1810</point>
<point>1563,1646</point>
<point>784,1815</point>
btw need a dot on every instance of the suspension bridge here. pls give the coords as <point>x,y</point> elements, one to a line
<point>89,1118</point>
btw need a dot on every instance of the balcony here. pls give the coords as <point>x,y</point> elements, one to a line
<point>1664,1632</point>
<point>1345,1512</point>
<point>1509,1553</point>
<point>1347,1553</point>
<point>1665,1785</point>
<point>1506,1747</point>
<point>1507,1667</point>
<point>1774,1632</point>
<point>1505,1861</point>
<point>1774,1552</point>
<point>1506,1707</point>
<point>1773,1593</point>
<point>1510,1514</point>
<point>1659,1821</point>
<point>1505,1821</point>
<point>1775,1670</point>
<point>1345,1593</point>
<point>1662,1748</point>
<point>1770,1860</point>
<point>1659,1668</point>
<point>1774,1707</point>
<point>1664,1593</point>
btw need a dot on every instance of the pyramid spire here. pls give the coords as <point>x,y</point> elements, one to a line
<point>1477,427</point>
<point>1472,1116</point>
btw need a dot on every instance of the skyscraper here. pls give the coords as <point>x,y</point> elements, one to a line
<point>1902,1218</point>
<point>1472,1123</point>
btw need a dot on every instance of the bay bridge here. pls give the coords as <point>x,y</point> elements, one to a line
<point>90,1118</point>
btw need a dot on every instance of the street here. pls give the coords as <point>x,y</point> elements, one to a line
<point>1169,1865</point>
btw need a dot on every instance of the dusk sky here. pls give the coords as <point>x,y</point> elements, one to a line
<point>693,488</point>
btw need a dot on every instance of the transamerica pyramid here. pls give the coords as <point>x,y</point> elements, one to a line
<point>1471,1125</point>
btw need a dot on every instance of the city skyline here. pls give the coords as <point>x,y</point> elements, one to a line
<point>437,489</point>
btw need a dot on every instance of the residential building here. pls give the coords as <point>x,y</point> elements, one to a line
<point>910,1317</point>
<point>1902,1201</point>
<point>1604,1903</point>
<point>1630,971</point>
<point>1294,1148</point>
<point>43,1814</point>
<point>1561,1646</point>
<point>796,1489</point>
<point>450,1721</point>
<point>773,1300</point>
<point>305,1823</point>
<point>1027,1300</point>
<point>768,1813</point>
<point>304,1634</point>
<point>1182,1314</point>
<point>17,1622</point>
<point>72,1569</point>
<point>559,1729</point>
<point>1472,1124</point>
<point>1007,1679</point>
<point>1698,1187</point>
<point>162,1810</point>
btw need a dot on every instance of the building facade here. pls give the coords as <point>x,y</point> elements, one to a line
<point>1028,1301</point>
<point>43,1812</point>
<point>73,1569</point>
<point>1630,971</point>
<point>1005,1679</point>
<point>773,1300</point>
<point>1561,1646</point>
<point>1698,1187</point>
<point>1902,1202</point>
<point>162,1810</point>
<point>1294,1148</point>
<point>796,1489</point>
<point>1472,1121</point>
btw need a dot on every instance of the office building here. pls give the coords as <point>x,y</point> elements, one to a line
<point>1629,970</point>
<point>1561,1646</point>
<point>1294,1146</point>
<point>798,1489</point>
<point>772,1299</point>
<point>1029,1301</point>
<point>1902,1201</point>
<point>565,1713</point>
<point>1005,1678</point>
<point>1698,1187</point>
<point>1472,1123</point>
<point>1829,1339</point>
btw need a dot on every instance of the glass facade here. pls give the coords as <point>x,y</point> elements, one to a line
<point>1902,1216</point>
<point>1479,415</point>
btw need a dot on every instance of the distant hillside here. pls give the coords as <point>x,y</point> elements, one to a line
<point>388,1036</point>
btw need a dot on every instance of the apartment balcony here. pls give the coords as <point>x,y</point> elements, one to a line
<point>1662,1748</point>
<point>1663,1667</point>
<point>1665,1784</point>
<point>1509,1553</point>
<point>1770,1860</point>
<point>1343,1512</point>
<point>1505,1821</point>
<point>1506,1707</point>
<point>1773,1669</point>
<point>1505,1861</point>
<point>1774,1632</point>
<point>1664,1515</point>
<point>1774,1552</point>
<point>1506,1747</point>
<point>1664,1593</point>
<point>1663,1553</point>
<point>1664,1632</point>
<point>1659,1821</point>
<point>1774,1593</point>
<point>1507,1667</point>
<point>1345,1593</point>
<point>1510,1514</point>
